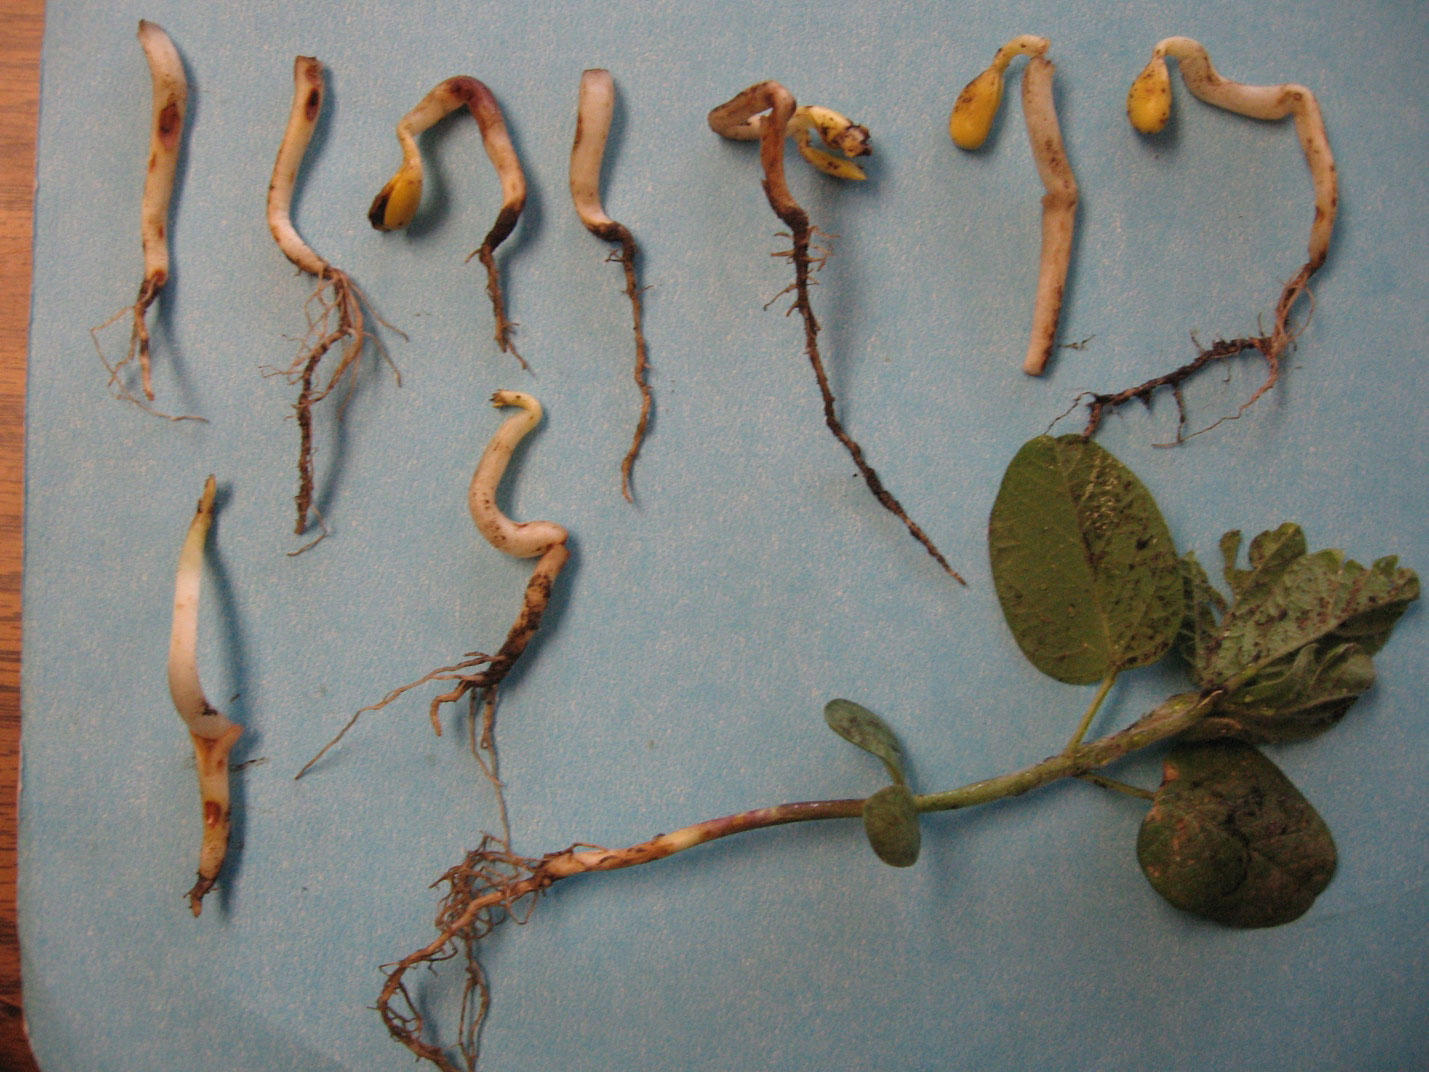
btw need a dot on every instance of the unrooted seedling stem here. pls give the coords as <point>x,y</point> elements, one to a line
<point>545,541</point>
<point>969,126</point>
<point>336,308</point>
<point>594,111</point>
<point>396,203</point>
<point>1148,106</point>
<point>213,734</point>
<point>741,120</point>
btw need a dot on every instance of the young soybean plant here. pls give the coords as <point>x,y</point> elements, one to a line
<point>171,94</point>
<point>335,310</point>
<point>1227,836</point>
<point>595,107</point>
<point>545,541</point>
<point>969,126</point>
<point>1148,106</point>
<point>397,202</point>
<point>767,113</point>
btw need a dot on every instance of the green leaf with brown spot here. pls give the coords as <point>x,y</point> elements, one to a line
<point>890,819</point>
<point>862,727</point>
<point>1229,838</point>
<point>1082,561</point>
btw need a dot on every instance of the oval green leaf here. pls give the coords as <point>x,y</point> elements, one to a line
<point>1082,561</point>
<point>862,727</point>
<point>890,819</point>
<point>1229,838</point>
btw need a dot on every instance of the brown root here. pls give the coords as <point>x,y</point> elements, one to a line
<point>625,256</point>
<point>138,352</point>
<point>1271,348</point>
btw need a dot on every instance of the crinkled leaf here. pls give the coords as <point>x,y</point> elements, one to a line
<point>1082,561</point>
<point>1293,651</point>
<point>890,819</point>
<point>1231,839</point>
<point>862,727</point>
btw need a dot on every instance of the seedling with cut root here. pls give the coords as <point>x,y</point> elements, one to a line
<point>743,119</point>
<point>171,94</point>
<point>335,310</point>
<point>543,540</point>
<point>593,115</point>
<point>396,203</point>
<point>969,126</point>
<point>1148,106</point>
<point>212,733</point>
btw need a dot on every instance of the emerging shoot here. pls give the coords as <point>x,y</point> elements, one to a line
<point>171,93</point>
<point>213,734</point>
<point>969,126</point>
<point>335,308</point>
<point>543,540</point>
<point>396,203</point>
<point>742,119</point>
<point>1148,107</point>
<point>593,114</point>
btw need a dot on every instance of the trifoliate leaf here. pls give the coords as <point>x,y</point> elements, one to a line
<point>865,729</point>
<point>1082,561</point>
<point>1293,651</point>
<point>1231,839</point>
<point>890,819</point>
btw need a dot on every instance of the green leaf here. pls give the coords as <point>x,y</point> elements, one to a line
<point>1231,839</point>
<point>1082,561</point>
<point>865,729</point>
<point>1293,651</point>
<point>890,819</point>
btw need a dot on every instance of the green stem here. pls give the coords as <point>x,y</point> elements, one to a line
<point>1096,706</point>
<point>1120,787</point>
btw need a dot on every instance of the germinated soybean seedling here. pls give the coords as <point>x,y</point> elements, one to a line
<point>335,309</point>
<point>171,94</point>
<point>594,110</point>
<point>744,118</point>
<point>544,541</point>
<point>396,203</point>
<point>1227,836</point>
<point>969,126</point>
<point>213,734</point>
<point>1148,106</point>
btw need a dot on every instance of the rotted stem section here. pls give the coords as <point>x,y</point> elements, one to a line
<point>396,203</point>
<point>546,541</point>
<point>213,735</point>
<point>740,119</point>
<point>335,312</point>
<point>595,108</point>
<point>506,881</point>
<point>1148,107</point>
<point>969,126</point>
<point>170,106</point>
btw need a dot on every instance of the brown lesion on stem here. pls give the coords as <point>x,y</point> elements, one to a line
<point>734,119</point>
<point>397,202</point>
<point>1148,107</point>
<point>335,310</point>
<point>593,117</point>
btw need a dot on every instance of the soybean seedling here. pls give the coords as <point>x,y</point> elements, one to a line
<point>743,118</point>
<point>969,126</point>
<point>1091,587</point>
<point>1148,106</point>
<point>396,203</point>
<point>212,733</point>
<point>171,94</point>
<point>335,310</point>
<point>594,110</point>
<point>543,540</point>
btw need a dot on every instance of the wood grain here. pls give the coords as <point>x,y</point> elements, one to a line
<point>21,30</point>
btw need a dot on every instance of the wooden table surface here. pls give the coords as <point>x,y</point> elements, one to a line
<point>21,26</point>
